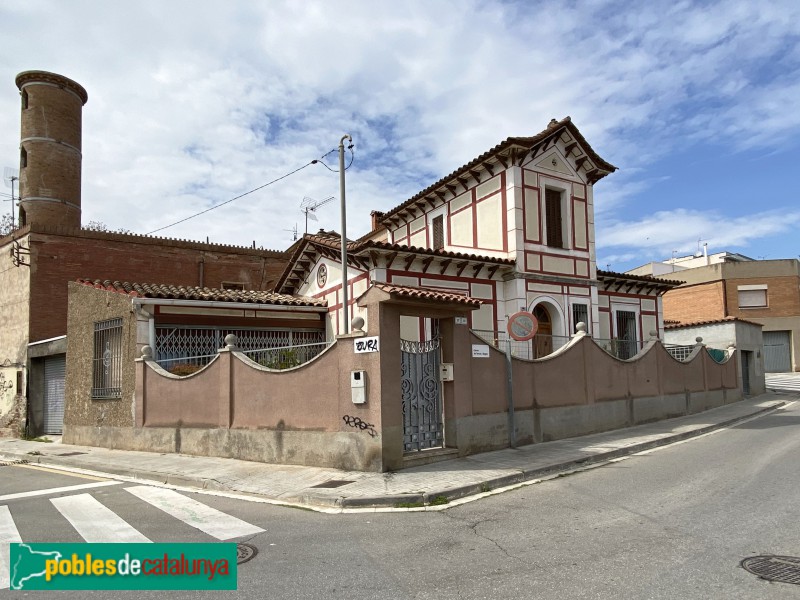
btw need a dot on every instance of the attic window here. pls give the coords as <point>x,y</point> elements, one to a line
<point>233,285</point>
<point>438,232</point>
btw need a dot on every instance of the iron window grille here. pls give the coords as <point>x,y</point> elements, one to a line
<point>107,359</point>
<point>580,314</point>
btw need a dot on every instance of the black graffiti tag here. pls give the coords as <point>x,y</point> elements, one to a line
<point>359,424</point>
<point>370,345</point>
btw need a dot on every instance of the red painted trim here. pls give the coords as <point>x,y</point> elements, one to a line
<point>474,219</point>
<point>504,208</point>
<point>623,295</point>
<point>574,201</point>
<point>538,201</point>
<point>419,276</point>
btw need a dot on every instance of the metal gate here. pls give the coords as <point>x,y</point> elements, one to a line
<point>777,351</point>
<point>54,368</point>
<point>423,425</point>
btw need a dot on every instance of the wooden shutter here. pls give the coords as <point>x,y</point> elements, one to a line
<point>438,232</point>
<point>555,236</point>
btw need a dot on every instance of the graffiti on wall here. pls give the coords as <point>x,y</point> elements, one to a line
<point>6,393</point>
<point>358,423</point>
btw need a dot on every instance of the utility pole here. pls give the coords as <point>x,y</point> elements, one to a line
<point>344,233</point>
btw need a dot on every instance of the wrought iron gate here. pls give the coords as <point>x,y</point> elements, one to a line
<point>423,425</point>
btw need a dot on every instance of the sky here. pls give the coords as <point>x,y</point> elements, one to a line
<point>192,104</point>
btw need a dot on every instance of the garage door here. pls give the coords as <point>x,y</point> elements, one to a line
<point>777,351</point>
<point>54,368</point>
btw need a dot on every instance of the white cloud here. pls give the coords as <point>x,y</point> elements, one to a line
<point>193,103</point>
<point>658,236</point>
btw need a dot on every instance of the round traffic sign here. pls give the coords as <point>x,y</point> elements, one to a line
<point>522,326</point>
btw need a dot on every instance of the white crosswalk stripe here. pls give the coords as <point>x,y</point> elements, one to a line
<point>8,535</point>
<point>208,520</point>
<point>94,521</point>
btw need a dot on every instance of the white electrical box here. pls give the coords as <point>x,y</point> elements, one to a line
<point>446,370</point>
<point>358,386</point>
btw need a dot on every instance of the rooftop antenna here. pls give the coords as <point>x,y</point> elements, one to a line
<point>10,176</point>
<point>309,205</point>
<point>293,231</point>
<point>699,252</point>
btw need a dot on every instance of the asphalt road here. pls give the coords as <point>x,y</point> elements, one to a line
<point>671,523</point>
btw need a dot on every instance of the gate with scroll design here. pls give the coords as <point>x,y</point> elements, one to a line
<point>423,426</point>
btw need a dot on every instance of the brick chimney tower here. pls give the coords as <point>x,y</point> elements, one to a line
<point>50,149</point>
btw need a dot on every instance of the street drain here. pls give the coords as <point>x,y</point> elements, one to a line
<point>8,463</point>
<point>245,552</point>
<point>783,569</point>
<point>332,483</point>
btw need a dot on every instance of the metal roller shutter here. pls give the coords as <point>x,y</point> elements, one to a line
<point>777,351</point>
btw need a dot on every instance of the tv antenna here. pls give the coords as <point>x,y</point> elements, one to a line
<point>293,231</point>
<point>309,205</point>
<point>10,176</point>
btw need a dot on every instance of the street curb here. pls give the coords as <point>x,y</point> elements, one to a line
<point>523,476</point>
<point>411,501</point>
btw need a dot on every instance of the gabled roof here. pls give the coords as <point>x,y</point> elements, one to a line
<point>359,254</point>
<point>182,292</point>
<point>417,293</point>
<point>513,150</point>
<point>611,279</point>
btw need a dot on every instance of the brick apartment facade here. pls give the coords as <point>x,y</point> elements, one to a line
<point>763,291</point>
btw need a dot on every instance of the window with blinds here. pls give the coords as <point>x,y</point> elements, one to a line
<point>753,298</point>
<point>553,218</point>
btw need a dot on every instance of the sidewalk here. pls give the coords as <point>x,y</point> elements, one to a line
<point>424,488</point>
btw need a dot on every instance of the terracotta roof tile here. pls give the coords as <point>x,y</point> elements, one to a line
<point>602,275</point>
<point>416,293</point>
<point>181,292</point>
<point>331,241</point>
<point>679,324</point>
<point>526,142</point>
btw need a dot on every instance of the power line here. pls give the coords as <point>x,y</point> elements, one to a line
<point>352,158</point>
<point>261,187</point>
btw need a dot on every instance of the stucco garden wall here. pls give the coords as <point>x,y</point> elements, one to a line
<point>581,390</point>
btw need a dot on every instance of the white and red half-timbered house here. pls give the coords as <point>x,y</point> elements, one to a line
<point>513,229</point>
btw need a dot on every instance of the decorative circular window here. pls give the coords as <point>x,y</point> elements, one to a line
<point>322,275</point>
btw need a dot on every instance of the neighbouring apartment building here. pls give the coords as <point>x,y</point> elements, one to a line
<point>732,285</point>
<point>50,249</point>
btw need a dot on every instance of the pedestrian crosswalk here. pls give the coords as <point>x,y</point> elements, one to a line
<point>200,516</point>
<point>96,522</point>
<point>8,535</point>
<point>783,382</point>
